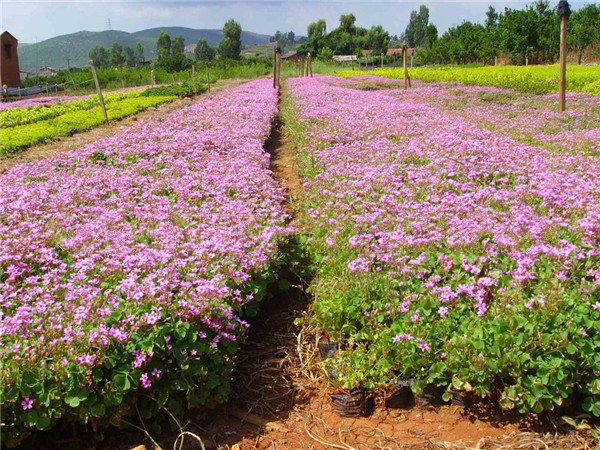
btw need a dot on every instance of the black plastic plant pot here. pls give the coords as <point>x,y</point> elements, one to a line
<point>327,349</point>
<point>400,398</point>
<point>357,402</point>
<point>431,396</point>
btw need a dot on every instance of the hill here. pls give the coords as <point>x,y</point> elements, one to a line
<point>54,52</point>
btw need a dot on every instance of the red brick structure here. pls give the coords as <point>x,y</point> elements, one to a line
<point>9,61</point>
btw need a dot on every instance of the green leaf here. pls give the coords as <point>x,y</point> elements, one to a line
<point>122,382</point>
<point>42,422</point>
<point>72,401</point>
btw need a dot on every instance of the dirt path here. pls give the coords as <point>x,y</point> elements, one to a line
<point>87,137</point>
<point>283,160</point>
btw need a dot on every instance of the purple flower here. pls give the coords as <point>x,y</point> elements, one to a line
<point>27,403</point>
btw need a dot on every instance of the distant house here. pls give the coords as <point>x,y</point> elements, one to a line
<point>344,58</point>
<point>398,51</point>
<point>23,75</point>
<point>9,61</point>
<point>390,52</point>
<point>47,72</point>
<point>291,56</point>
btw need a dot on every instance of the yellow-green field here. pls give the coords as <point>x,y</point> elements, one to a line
<point>538,79</point>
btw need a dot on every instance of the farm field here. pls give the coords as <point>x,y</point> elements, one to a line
<point>447,251</point>
<point>127,264</point>
<point>444,238</point>
<point>28,122</point>
<point>537,79</point>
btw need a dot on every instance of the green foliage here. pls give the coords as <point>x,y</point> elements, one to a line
<point>99,55</point>
<point>584,29</point>
<point>285,40</point>
<point>317,38</point>
<point>177,90</point>
<point>163,45</point>
<point>115,56</point>
<point>28,126</point>
<point>377,40</point>
<point>178,46</point>
<point>176,62</point>
<point>325,54</point>
<point>204,52</point>
<point>231,44</point>
<point>417,28</point>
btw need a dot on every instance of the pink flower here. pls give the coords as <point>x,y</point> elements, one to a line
<point>145,380</point>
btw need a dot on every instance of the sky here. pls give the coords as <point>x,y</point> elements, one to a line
<point>31,21</point>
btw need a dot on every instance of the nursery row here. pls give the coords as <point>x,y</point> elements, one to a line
<point>127,266</point>
<point>52,99</point>
<point>447,252</point>
<point>537,79</point>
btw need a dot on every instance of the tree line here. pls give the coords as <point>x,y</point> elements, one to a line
<point>528,34</point>
<point>346,39</point>
<point>170,52</point>
<point>521,35</point>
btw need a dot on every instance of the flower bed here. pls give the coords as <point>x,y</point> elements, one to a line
<point>448,253</point>
<point>126,266</point>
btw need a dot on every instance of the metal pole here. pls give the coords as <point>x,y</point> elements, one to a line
<point>100,97</point>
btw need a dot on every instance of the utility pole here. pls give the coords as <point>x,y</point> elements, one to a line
<point>69,64</point>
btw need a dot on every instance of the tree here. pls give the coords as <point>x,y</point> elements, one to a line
<point>99,55</point>
<point>163,45</point>
<point>325,54</point>
<point>378,40</point>
<point>139,54</point>
<point>491,18</point>
<point>316,40</point>
<point>417,27</point>
<point>204,52</point>
<point>431,35</point>
<point>231,44</point>
<point>116,57</point>
<point>529,32</point>
<point>584,29</point>
<point>178,46</point>
<point>129,55</point>
<point>347,23</point>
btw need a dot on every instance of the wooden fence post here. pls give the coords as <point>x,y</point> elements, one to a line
<point>207,78</point>
<point>194,78</point>
<point>274,65</point>
<point>564,11</point>
<point>404,68</point>
<point>100,97</point>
